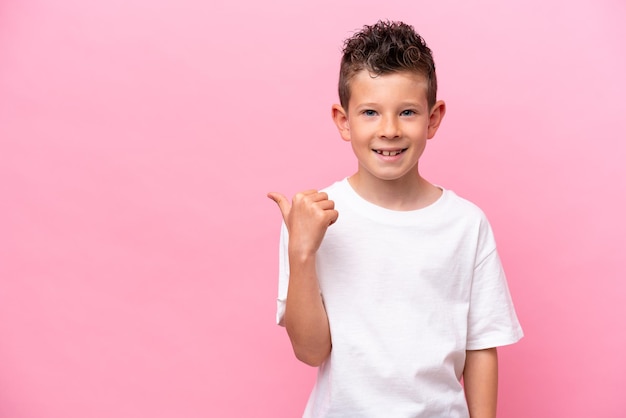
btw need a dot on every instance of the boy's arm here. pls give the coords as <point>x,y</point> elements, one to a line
<point>305,316</point>
<point>307,218</point>
<point>480,378</point>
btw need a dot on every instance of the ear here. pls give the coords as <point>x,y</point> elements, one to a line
<point>436,116</point>
<point>340,117</point>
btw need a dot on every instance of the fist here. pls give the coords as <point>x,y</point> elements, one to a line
<point>307,217</point>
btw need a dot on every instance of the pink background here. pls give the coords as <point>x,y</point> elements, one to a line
<point>138,139</point>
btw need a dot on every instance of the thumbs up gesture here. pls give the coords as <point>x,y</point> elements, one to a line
<point>307,217</point>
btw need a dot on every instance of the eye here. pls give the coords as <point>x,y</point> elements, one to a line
<point>407,112</point>
<point>369,112</point>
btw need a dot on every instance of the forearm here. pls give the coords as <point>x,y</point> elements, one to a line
<point>481,382</point>
<point>305,316</point>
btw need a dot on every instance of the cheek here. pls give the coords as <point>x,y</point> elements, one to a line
<point>361,131</point>
<point>417,130</point>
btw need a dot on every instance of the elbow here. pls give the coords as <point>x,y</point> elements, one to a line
<point>311,345</point>
<point>313,353</point>
<point>310,357</point>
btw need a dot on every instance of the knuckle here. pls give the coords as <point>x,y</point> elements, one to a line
<point>298,197</point>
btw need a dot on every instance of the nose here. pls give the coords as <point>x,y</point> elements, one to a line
<point>389,127</point>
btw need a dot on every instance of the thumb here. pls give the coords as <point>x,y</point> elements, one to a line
<point>283,203</point>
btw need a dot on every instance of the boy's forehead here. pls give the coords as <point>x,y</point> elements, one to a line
<point>404,83</point>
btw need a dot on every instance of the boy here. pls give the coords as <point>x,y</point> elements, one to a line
<point>402,296</point>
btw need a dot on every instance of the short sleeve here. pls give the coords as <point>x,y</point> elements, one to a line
<point>492,321</point>
<point>283,274</point>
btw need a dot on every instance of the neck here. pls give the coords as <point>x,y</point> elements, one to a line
<point>406,193</point>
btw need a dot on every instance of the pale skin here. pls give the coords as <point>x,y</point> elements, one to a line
<point>388,122</point>
<point>307,217</point>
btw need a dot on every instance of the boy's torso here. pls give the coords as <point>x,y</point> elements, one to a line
<point>397,288</point>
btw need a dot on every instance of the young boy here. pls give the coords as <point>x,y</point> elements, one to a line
<point>403,295</point>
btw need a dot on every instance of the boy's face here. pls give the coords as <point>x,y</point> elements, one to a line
<point>388,122</point>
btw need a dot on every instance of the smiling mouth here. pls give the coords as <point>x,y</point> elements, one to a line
<point>390,153</point>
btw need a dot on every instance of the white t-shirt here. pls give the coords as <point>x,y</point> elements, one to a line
<point>406,293</point>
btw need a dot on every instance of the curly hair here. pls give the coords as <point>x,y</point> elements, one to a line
<point>386,47</point>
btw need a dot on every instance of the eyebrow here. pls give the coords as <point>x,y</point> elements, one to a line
<point>402,104</point>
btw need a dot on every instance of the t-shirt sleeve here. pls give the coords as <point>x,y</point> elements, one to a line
<point>283,275</point>
<point>492,321</point>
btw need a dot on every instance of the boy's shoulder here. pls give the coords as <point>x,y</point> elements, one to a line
<point>464,204</point>
<point>336,187</point>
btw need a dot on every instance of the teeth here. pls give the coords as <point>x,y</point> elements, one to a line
<point>389,153</point>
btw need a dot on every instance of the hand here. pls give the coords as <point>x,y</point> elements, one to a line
<point>307,219</point>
